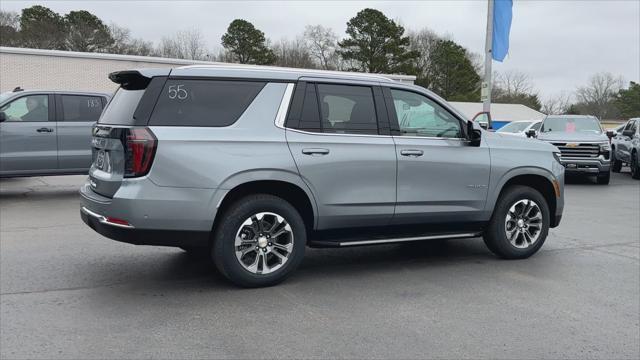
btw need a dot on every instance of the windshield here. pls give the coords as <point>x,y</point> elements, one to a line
<point>5,95</point>
<point>572,125</point>
<point>514,127</point>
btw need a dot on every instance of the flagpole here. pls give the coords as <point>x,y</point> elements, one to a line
<point>486,85</point>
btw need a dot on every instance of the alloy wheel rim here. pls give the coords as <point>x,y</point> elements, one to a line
<point>263,243</point>
<point>523,223</point>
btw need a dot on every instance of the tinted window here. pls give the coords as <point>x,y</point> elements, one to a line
<point>203,102</point>
<point>81,108</point>
<point>310,117</point>
<point>120,109</point>
<point>347,109</point>
<point>420,116</point>
<point>28,109</point>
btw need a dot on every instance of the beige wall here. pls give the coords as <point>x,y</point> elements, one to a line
<point>62,73</point>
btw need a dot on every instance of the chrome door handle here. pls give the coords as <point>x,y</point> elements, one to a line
<point>411,152</point>
<point>44,129</point>
<point>315,151</point>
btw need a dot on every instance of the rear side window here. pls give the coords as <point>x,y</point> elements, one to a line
<point>120,109</point>
<point>81,108</point>
<point>207,103</point>
<point>347,109</point>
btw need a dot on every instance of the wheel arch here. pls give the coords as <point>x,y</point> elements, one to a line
<point>281,184</point>
<point>537,178</point>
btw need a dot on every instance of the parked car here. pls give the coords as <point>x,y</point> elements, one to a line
<point>625,147</point>
<point>47,132</point>
<point>520,128</point>
<point>252,164</point>
<point>584,145</point>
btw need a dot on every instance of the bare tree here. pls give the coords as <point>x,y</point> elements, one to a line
<point>424,42</point>
<point>322,43</point>
<point>123,43</point>
<point>557,105</point>
<point>9,28</point>
<point>596,98</point>
<point>293,53</point>
<point>512,83</point>
<point>186,44</point>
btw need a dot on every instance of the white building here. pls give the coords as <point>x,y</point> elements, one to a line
<point>78,71</point>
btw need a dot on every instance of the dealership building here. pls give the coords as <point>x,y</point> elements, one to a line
<point>79,71</point>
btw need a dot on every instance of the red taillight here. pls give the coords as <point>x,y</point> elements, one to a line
<point>140,149</point>
<point>116,221</point>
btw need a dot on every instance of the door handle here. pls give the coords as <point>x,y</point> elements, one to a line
<point>315,151</point>
<point>411,152</point>
<point>44,129</point>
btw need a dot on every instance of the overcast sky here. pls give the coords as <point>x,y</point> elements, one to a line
<point>559,43</point>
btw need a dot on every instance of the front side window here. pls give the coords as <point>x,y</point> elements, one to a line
<point>514,127</point>
<point>210,103</point>
<point>29,108</point>
<point>81,108</point>
<point>536,126</point>
<point>420,116</point>
<point>347,109</point>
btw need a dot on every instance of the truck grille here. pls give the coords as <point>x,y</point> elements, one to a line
<point>575,150</point>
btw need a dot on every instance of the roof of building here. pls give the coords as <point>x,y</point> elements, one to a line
<point>500,112</point>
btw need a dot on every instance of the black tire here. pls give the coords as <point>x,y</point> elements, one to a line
<point>223,250</point>
<point>604,178</point>
<point>495,236</point>
<point>616,165</point>
<point>635,166</point>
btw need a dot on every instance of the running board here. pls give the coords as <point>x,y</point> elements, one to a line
<point>393,240</point>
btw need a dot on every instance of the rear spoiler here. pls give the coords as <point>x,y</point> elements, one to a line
<point>136,79</point>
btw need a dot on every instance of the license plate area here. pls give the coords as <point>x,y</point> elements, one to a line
<point>102,161</point>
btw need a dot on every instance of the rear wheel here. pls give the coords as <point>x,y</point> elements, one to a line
<point>604,177</point>
<point>616,165</point>
<point>635,166</point>
<point>519,225</point>
<point>260,241</point>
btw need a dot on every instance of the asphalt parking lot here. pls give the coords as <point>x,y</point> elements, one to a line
<point>67,292</point>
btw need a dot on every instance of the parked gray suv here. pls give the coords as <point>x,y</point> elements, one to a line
<point>47,132</point>
<point>625,148</point>
<point>584,145</point>
<point>253,164</point>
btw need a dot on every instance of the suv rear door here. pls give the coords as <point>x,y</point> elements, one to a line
<point>336,134</point>
<point>28,135</point>
<point>76,114</point>
<point>440,177</point>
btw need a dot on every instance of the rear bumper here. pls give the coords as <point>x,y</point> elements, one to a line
<point>143,213</point>
<point>131,235</point>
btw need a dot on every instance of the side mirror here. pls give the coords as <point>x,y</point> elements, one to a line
<point>611,134</point>
<point>484,120</point>
<point>531,133</point>
<point>474,135</point>
<point>628,133</point>
<point>3,116</point>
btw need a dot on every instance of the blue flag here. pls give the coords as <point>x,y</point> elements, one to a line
<point>501,26</point>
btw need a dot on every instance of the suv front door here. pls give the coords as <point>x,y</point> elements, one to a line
<point>333,135</point>
<point>28,136</point>
<point>440,176</point>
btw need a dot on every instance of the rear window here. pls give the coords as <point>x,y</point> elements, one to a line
<point>81,108</point>
<point>120,109</point>
<point>207,103</point>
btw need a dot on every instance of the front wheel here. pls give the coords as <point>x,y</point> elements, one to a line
<point>260,241</point>
<point>604,178</point>
<point>635,166</point>
<point>616,165</point>
<point>519,225</point>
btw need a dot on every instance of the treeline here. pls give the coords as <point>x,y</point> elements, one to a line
<point>373,43</point>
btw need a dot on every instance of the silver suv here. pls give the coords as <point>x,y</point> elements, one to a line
<point>253,164</point>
